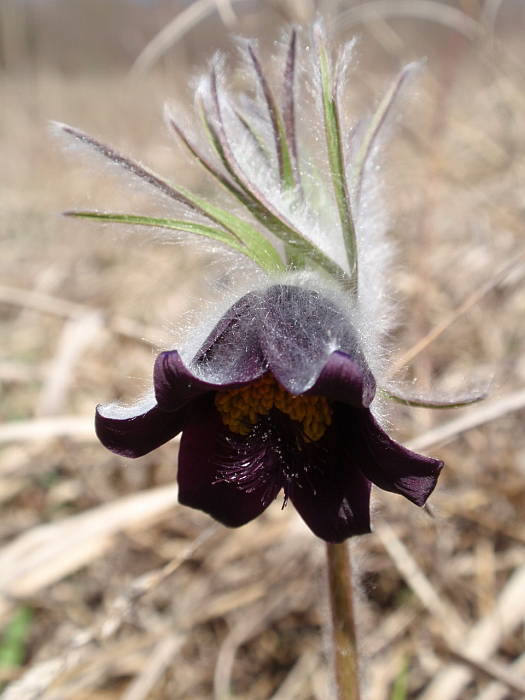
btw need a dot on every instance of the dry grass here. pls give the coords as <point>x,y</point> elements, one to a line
<point>131,596</point>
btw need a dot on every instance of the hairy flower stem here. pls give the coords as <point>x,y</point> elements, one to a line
<point>343,624</point>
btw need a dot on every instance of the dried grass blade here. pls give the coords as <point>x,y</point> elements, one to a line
<point>483,639</point>
<point>75,427</point>
<point>47,304</point>
<point>78,334</point>
<point>494,670</point>
<point>498,691</point>
<point>418,581</point>
<point>161,657</point>
<point>177,28</point>
<point>429,10</point>
<point>485,413</point>
<point>47,553</point>
<point>471,300</point>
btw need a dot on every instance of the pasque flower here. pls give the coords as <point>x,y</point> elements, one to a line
<point>277,398</point>
<point>281,394</point>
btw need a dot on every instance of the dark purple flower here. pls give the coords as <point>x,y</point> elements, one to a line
<point>277,398</point>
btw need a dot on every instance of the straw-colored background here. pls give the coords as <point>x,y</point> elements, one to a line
<point>108,589</point>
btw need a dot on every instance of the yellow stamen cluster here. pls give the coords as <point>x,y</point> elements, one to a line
<point>240,409</point>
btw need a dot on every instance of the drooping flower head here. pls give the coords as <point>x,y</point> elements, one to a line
<point>280,395</point>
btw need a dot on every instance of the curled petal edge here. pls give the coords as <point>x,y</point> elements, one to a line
<point>136,435</point>
<point>391,466</point>
<point>176,385</point>
<point>344,380</point>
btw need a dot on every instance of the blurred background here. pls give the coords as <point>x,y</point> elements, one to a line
<point>108,589</point>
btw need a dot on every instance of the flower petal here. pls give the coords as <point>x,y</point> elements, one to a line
<point>231,353</point>
<point>136,435</point>
<point>334,501</point>
<point>345,380</point>
<point>298,331</point>
<point>176,385</point>
<point>201,462</point>
<point>332,495</point>
<point>228,322</point>
<point>388,464</point>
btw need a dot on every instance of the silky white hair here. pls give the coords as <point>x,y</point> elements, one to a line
<point>309,208</point>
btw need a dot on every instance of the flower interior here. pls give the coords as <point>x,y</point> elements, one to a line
<point>242,408</point>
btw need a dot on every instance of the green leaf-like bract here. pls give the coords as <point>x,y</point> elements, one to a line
<point>267,259</point>
<point>334,147</point>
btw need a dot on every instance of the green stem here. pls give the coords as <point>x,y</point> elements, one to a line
<point>343,624</point>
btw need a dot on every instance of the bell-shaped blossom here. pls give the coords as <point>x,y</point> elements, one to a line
<point>278,398</point>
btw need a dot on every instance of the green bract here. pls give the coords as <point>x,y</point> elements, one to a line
<point>275,234</point>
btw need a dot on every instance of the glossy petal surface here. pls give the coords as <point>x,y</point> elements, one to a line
<point>342,379</point>
<point>388,464</point>
<point>333,497</point>
<point>204,455</point>
<point>137,435</point>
